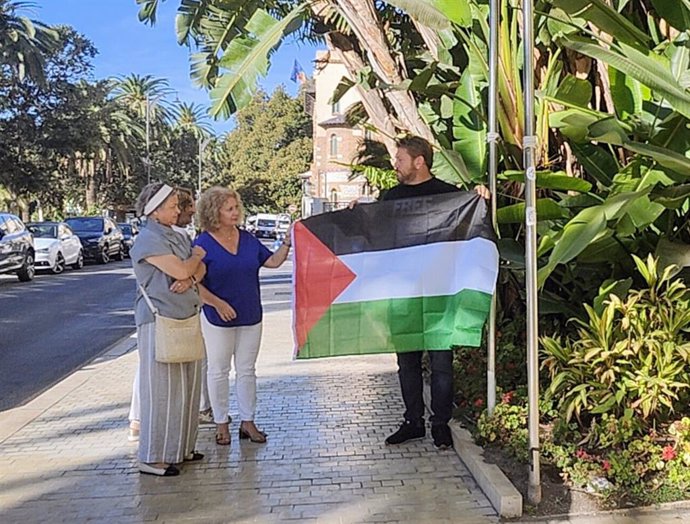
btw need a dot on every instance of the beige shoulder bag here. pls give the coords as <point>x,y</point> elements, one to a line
<point>176,340</point>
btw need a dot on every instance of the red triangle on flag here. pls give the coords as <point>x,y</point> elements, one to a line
<point>320,277</point>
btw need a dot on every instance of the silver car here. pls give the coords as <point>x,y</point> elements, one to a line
<point>56,246</point>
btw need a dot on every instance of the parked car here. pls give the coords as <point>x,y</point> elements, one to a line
<point>16,248</point>
<point>56,246</point>
<point>100,237</point>
<point>129,231</point>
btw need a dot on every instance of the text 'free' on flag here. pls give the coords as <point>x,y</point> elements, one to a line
<point>394,276</point>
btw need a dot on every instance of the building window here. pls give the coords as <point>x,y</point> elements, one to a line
<point>333,150</point>
<point>334,195</point>
<point>335,108</point>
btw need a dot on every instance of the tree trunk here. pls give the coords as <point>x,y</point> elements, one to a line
<point>363,19</point>
<point>430,38</point>
<point>88,172</point>
<point>372,99</point>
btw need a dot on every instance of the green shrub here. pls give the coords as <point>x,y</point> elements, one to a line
<point>632,358</point>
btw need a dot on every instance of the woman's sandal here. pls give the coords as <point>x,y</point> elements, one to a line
<point>221,439</point>
<point>257,436</point>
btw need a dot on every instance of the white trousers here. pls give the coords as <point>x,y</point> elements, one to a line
<point>222,343</point>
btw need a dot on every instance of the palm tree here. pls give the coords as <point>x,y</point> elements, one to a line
<point>136,92</point>
<point>191,118</point>
<point>24,42</point>
<point>144,97</point>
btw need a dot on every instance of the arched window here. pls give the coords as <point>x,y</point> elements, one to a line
<point>334,195</point>
<point>333,143</point>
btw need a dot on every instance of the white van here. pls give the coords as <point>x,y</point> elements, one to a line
<point>262,225</point>
<point>282,225</point>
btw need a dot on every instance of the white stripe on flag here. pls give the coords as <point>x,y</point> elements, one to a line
<point>438,269</point>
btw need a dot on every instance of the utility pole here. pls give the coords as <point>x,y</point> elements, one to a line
<point>529,153</point>
<point>148,144</point>
<point>203,142</point>
<point>492,139</point>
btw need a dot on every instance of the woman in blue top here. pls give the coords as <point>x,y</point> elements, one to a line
<point>232,313</point>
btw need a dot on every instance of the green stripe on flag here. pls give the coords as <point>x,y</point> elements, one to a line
<point>399,325</point>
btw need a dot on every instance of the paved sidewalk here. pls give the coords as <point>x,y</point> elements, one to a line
<point>324,461</point>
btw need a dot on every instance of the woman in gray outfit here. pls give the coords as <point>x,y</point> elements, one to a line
<point>168,269</point>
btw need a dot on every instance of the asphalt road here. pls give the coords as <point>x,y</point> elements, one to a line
<point>54,325</point>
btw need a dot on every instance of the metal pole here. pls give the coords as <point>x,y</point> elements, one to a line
<point>199,185</point>
<point>492,138</point>
<point>529,147</point>
<point>203,142</point>
<point>148,147</point>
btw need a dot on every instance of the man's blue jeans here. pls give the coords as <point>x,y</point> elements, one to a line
<point>411,384</point>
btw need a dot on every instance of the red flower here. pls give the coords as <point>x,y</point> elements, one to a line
<point>605,465</point>
<point>507,398</point>
<point>479,402</point>
<point>582,454</point>
<point>668,453</point>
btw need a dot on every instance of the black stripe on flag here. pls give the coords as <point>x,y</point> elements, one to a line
<point>403,223</point>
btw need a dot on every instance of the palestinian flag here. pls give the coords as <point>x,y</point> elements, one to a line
<point>394,276</point>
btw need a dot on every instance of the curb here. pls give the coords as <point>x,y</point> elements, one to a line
<point>13,420</point>
<point>504,497</point>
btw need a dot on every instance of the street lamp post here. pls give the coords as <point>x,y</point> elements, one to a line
<point>148,142</point>
<point>203,142</point>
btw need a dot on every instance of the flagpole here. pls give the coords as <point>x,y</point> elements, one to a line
<point>529,150</point>
<point>492,139</point>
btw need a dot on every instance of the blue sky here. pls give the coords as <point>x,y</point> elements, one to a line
<point>127,46</point>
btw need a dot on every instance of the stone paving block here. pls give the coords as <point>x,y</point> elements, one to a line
<point>325,460</point>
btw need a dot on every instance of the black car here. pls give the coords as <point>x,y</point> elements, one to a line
<point>100,237</point>
<point>129,231</point>
<point>17,253</point>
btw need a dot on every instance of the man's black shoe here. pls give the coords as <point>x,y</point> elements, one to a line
<point>408,431</point>
<point>443,438</point>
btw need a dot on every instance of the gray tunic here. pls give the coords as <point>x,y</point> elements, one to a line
<point>155,240</point>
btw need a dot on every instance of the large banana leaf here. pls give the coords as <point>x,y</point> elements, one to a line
<point>247,57</point>
<point>449,166</point>
<point>584,228</point>
<point>665,157</point>
<point>597,162</point>
<point>675,12</point>
<point>437,14</point>
<point>547,209</point>
<point>574,91</point>
<point>189,16</point>
<point>627,93</point>
<point>610,131</point>
<point>605,18</point>
<point>148,10</point>
<point>670,252</point>
<point>672,197</point>
<point>558,181</point>
<point>469,129</point>
<point>652,71</point>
